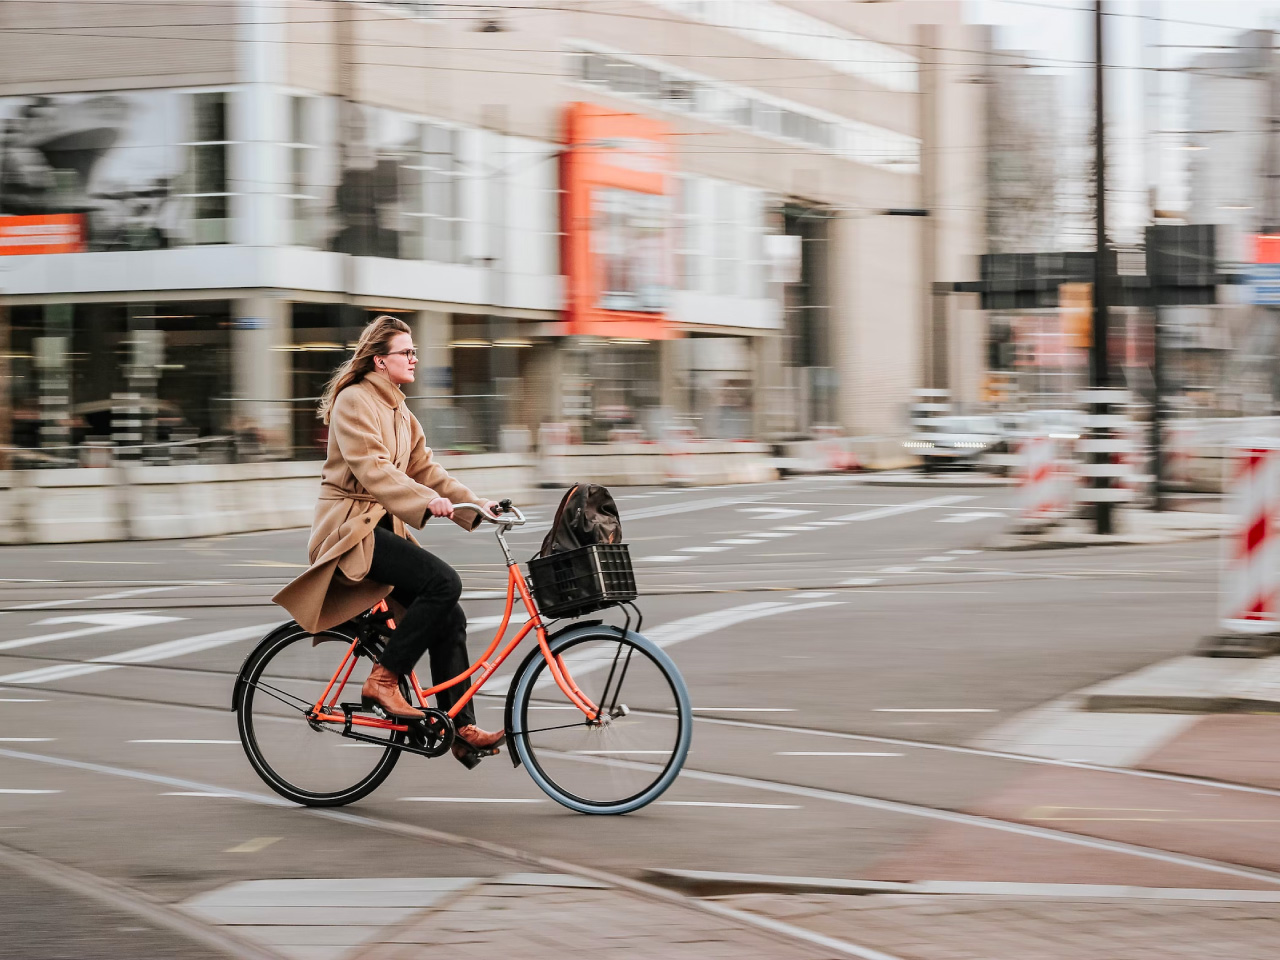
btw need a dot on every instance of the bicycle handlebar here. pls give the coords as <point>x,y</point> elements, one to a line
<point>506,506</point>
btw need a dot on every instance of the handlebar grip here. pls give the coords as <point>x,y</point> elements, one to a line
<point>504,506</point>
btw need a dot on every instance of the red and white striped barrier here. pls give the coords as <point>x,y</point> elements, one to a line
<point>1046,481</point>
<point>1250,576</point>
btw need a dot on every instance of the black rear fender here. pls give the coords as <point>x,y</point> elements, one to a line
<point>237,690</point>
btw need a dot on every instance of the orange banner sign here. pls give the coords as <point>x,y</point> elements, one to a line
<point>54,233</point>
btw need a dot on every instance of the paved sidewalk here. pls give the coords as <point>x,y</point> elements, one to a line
<point>1023,928</point>
<point>1133,527</point>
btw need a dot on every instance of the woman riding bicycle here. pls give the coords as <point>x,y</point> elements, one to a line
<point>379,475</point>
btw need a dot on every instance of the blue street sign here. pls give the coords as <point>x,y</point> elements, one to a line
<point>1265,280</point>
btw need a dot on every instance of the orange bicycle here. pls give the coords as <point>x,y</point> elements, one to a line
<point>566,719</point>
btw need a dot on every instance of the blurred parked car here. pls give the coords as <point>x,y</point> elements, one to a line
<point>954,441</point>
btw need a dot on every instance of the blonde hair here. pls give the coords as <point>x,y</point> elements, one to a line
<point>375,341</point>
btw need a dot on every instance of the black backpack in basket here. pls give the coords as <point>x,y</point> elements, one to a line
<point>583,564</point>
<point>587,514</point>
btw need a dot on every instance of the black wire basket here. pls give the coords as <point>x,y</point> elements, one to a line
<point>580,581</point>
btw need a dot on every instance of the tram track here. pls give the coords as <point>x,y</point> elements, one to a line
<point>801,789</point>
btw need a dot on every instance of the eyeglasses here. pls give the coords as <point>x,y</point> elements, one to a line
<point>411,353</point>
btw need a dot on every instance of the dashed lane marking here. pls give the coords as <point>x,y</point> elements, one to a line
<point>897,508</point>
<point>744,710</point>
<point>859,581</point>
<point>665,558</point>
<point>740,542</point>
<point>703,549</point>
<point>897,570</point>
<point>28,739</point>
<point>185,741</point>
<point>937,559</point>
<point>25,792</point>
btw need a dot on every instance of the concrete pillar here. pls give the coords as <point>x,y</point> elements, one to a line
<point>432,330</point>
<point>673,364</point>
<point>261,373</point>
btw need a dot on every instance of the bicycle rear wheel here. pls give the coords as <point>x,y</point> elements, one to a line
<point>635,752</point>
<point>308,763</point>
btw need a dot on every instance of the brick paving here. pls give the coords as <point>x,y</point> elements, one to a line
<point>954,927</point>
<point>497,922</point>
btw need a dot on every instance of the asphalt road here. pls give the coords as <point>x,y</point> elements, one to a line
<point>803,614</point>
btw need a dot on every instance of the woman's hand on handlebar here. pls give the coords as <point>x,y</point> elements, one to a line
<point>492,507</point>
<point>440,507</point>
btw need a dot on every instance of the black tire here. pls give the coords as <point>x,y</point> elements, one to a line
<point>659,706</point>
<point>279,683</point>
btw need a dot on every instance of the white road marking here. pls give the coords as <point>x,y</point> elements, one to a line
<point>897,570</point>
<point>744,710</point>
<point>197,793</point>
<point>935,710</point>
<point>860,582</point>
<point>184,741</point>
<point>897,508</point>
<point>21,700</point>
<point>666,558</point>
<point>743,806</point>
<point>114,563</point>
<point>692,505</point>
<point>794,529</point>
<point>254,845</point>
<point>774,513</point>
<point>970,516</point>
<point>740,542</point>
<point>660,753</point>
<point>704,549</point>
<point>772,536</point>
<point>964,553</point>
<point>938,559</point>
<point>1128,849</point>
<point>121,595</point>
<point>27,739</point>
<point>157,651</point>
<point>469,800</point>
<point>103,623</point>
<point>828,523</point>
<point>16,790</point>
<point>483,595</point>
<point>810,595</point>
<point>834,753</point>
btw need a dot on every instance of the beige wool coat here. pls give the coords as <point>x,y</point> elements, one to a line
<point>378,462</point>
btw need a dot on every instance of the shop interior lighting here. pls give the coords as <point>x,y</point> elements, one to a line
<point>626,340</point>
<point>516,342</point>
<point>170,316</point>
<point>464,344</point>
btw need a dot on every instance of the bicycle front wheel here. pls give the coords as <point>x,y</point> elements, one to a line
<point>633,753</point>
<point>309,763</point>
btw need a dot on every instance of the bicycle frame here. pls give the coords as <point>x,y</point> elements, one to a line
<point>323,709</point>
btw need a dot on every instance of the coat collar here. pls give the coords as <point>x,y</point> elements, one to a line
<point>384,389</point>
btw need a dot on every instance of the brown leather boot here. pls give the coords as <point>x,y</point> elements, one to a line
<point>383,688</point>
<point>471,744</point>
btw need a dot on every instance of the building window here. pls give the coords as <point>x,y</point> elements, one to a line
<point>726,229</point>
<point>732,106</point>
<point>206,179</point>
<point>434,202</point>
<point>305,212</point>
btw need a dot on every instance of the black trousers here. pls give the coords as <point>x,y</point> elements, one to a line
<point>433,621</point>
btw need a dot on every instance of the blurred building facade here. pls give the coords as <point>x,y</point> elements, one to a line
<point>721,218</point>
